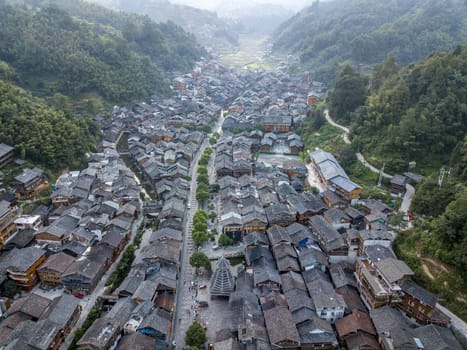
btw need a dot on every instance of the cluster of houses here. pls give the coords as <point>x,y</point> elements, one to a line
<point>274,103</point>
<point>319,269</point>
<point>291,296</point>
<point>299,290</point>
<point>162,145</point>
<point>69,245</point>
<point>163,139</point>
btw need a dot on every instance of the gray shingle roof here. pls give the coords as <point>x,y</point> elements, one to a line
<point>413,289</point>
<point>4,149</point>
<point>222,282</point>
<point>393,269</point>
<point>22,259</point>
<point>281,326</point>
<point>63,310</point>
<point>437,338</point>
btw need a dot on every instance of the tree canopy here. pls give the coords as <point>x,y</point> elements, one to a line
<point>417,114</point>
<point>199,259</point>
<point>196,336</point>
<point>120,57</point>
<point>41,134</point>
<point>348,94</point>
<point>365,31</point>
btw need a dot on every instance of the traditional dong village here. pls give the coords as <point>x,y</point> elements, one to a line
<point>205,209</point>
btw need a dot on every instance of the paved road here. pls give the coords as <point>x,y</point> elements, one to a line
<point>407,200</point>
<point>410,190</point>
<point>345,136</point>
<point>185,297</point>
<point>456,322</point>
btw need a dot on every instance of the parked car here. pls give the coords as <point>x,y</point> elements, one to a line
<point>203,304</point>
<point>202,286</point>
<point>79,295</point>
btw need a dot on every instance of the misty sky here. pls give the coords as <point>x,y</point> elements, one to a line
<point>218,4</point>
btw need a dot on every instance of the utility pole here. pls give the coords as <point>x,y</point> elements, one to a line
<point>442,173</point>
<point>380,179</point>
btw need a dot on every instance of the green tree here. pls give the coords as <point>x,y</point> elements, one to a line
<point>199,260</point>
<point>347,156</point>
<point>384,71</point>
<point>212,215</point>
<point>430,199</point>
<point>200,215</point>
<point>349,93</point>
<point>202,170</point>
<point>200,237</point>
<point>202,194</point>
<point>451,226</point>
<point>225,240</point>
<point>10,289</point>
<point>203,178</point>
<point>196,335</point>
<point>200,226</point>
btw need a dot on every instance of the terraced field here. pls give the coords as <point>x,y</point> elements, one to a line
<point>253,52</point>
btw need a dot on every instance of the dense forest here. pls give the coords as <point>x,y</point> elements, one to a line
<point>364,32</point>
<point>116,56</point>
<point>208,28</point>
<point>46,136</point>
<point>414,114</point>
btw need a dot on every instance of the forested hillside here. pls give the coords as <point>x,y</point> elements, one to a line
<point>365,31</point>
<point>49,137</point>
<point>206,25</point>
<point>116,56</point>
<point>418,113</point>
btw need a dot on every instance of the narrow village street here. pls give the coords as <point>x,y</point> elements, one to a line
<point>89,301</point>
<point>186,287</point>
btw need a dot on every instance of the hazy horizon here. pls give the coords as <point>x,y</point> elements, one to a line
<point>218,5</point>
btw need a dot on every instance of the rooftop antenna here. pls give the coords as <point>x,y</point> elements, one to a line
<point>380,179</point>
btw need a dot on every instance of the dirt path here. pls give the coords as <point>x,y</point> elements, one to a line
<point>427,271</point>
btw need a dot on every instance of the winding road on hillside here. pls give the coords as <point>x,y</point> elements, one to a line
<point>457,322</point>
<point>410,190</point>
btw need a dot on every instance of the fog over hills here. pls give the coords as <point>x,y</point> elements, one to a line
<point>221,5</point>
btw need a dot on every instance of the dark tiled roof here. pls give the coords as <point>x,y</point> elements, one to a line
<point>298,299</point>
<point>58,262</point>
<point>32,305</point>
<point>277,234</point>
<point>4,149</point>
<point>355,322</point>
<point>362,340</point>
<point>437,338</point>
<point>378,252</point>
<point>420,293</point>
<point>393,269</point>
<point>292,281</point>
<point>308,336</point>
<point>63,309</point>
<point>22,259</point>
